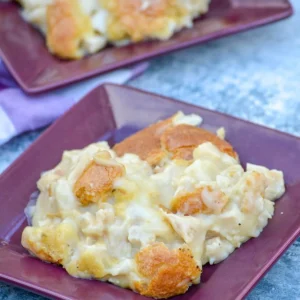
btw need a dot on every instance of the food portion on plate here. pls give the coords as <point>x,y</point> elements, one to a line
<point>148,213</point>
<point>74,28</point>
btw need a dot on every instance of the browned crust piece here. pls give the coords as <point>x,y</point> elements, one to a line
<point>181,140</point>
<point>192,203</point>
<point>67,25</point>
<point>163,139</point>
<point>130,21</point>
<point>96,182</point>
<point>167,272</point>
<point>145,143</point>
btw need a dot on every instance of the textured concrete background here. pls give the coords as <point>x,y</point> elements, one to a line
<point>255,76</point>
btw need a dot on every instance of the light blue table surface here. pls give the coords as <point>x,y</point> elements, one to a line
<point>253,75</point>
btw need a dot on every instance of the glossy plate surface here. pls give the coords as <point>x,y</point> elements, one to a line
<point>24,51</point>
<point>111,113</point>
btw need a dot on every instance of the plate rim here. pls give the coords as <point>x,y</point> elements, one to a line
<point>28,88</point>
<point>243,293</point>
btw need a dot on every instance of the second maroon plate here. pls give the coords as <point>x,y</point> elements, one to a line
<point>24,51</point>
<point>112,113</point>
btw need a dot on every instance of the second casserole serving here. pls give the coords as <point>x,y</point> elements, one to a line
<point>74,28</point>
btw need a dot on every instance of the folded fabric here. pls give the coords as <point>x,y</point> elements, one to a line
<point>20,112</point>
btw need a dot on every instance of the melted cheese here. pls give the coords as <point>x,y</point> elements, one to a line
<point>152,221</point>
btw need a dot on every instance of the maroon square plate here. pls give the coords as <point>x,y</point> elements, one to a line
<point>111,113</point>
<point>24,51</point>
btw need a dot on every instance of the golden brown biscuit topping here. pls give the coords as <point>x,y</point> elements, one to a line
<point>163,140</point>
<point>146,143</point>
<point>134,20</point>
<point>96,182</point>
<point>168,272</point>
<point>67,25</point>
<point>193,203</point>
<point>181,141</point>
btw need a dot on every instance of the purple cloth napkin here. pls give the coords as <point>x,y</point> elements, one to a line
<point>20,112</point>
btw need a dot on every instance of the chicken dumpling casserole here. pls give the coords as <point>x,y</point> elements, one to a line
<point>74,28</point>
<point>148,213</point>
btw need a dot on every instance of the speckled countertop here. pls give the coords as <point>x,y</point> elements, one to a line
<point>255,76</point>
